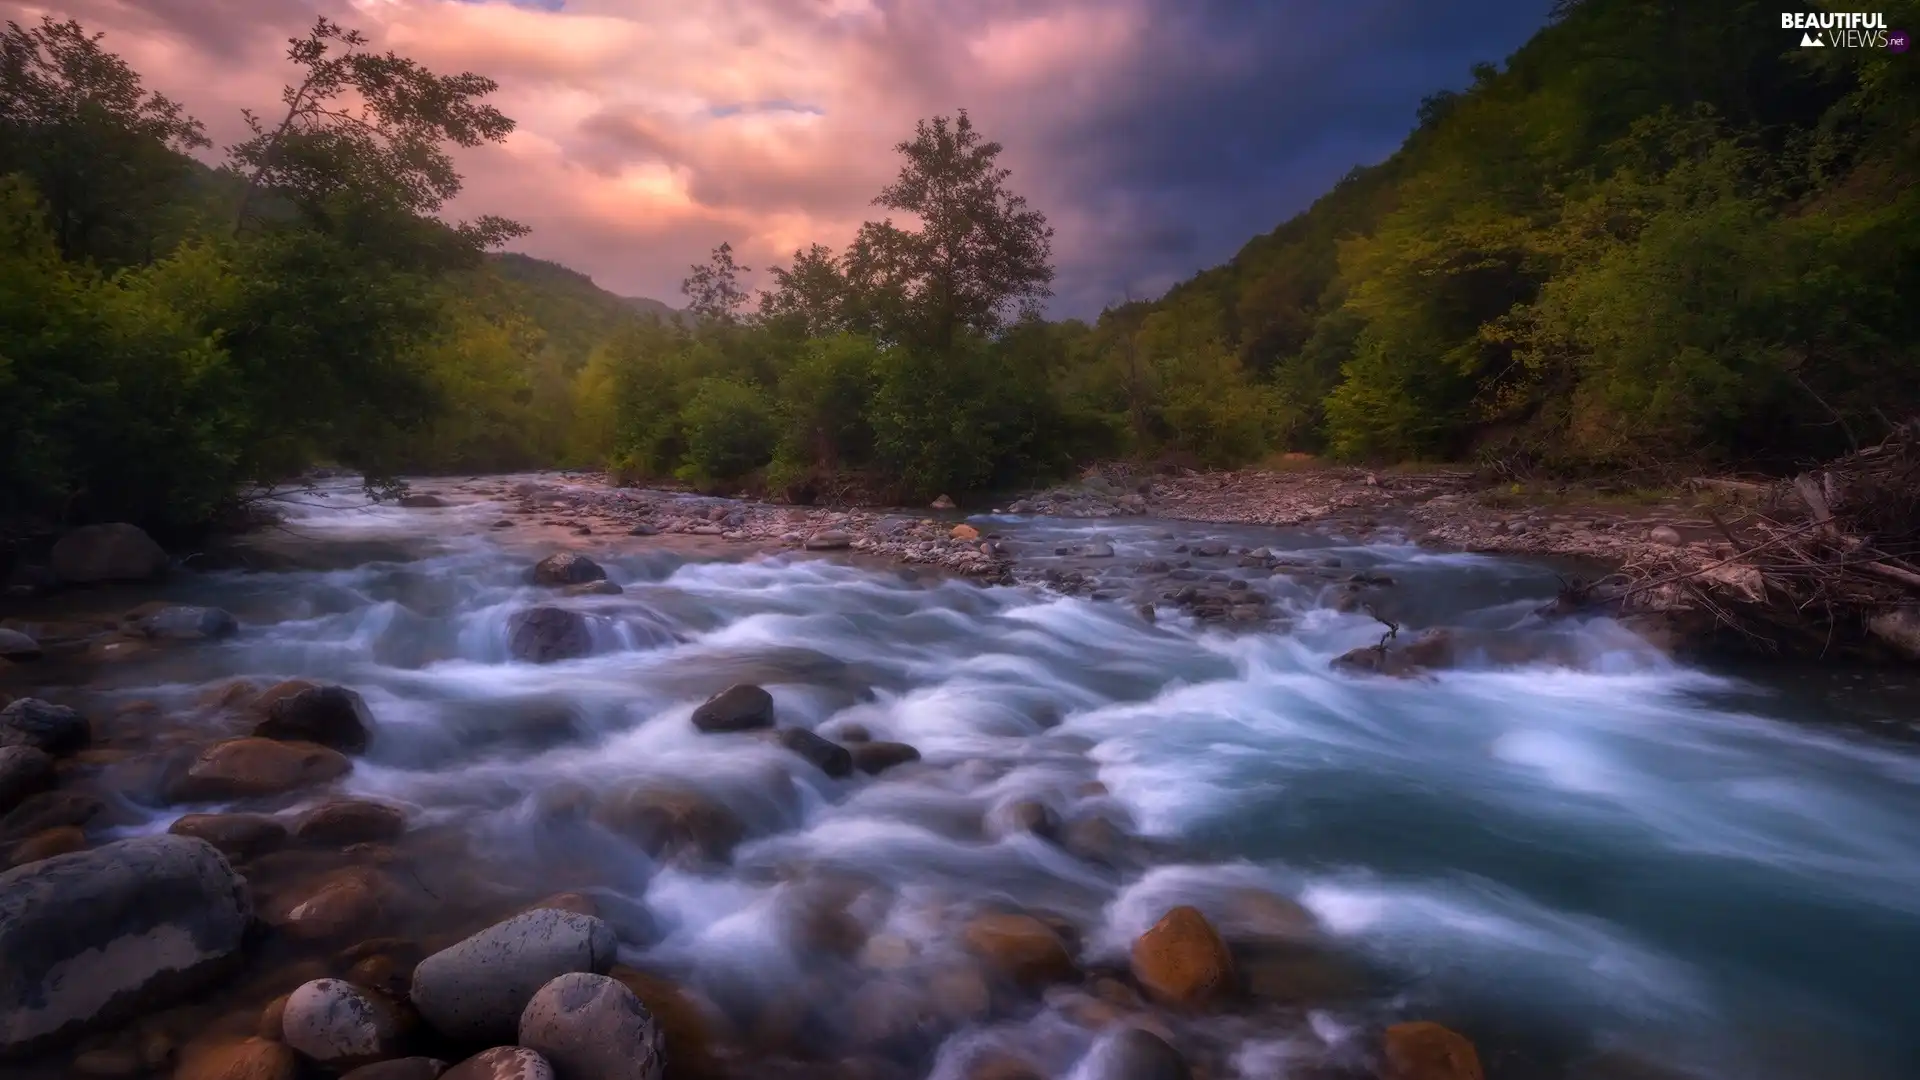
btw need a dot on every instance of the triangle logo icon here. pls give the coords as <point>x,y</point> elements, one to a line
<point>1808,41</point>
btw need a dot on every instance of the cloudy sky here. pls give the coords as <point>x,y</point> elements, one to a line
<point>1157,135</point>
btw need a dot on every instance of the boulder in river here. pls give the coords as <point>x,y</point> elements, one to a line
<point>17,646</point>
<point>238,836</point>
<point>253,767</point>
<point>829,540</point>
<point>1423,1050</point>
<point>24,771</point>
<point>874,758</point>
<point>544,635</point>
<point>330,716</point>
<point>340,822</point>
<point>591,1027</point>
<point>407,1068</point>
<point>672,822</point>
<point>943,503</point>
<point>567,568</point>
<point>111,552</point>
<point>744,707</point>
<point>89,939</point>
<point>335,1023</point>
<point>503,1063</point>
<point>822,753</point>
<point>54,729</point>
<point>184,622</point>
<point>235,1058</point>
<point>49,810</point>
<point>474,991</point>
<point>1182,961</point>
<point>1134,1053</point>
<point>1021,948</point>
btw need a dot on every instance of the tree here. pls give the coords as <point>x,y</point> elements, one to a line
<point>103,152</point>
<point>713,290</point>
<point>369,131</point>
<point>980,256</point>
<point>809,298</point>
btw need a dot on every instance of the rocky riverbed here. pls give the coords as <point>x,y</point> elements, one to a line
<point>531,777</point>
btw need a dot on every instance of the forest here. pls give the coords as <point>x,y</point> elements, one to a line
<point>1659,238</point>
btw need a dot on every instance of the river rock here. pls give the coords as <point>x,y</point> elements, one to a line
<point>335,1023</point>
<point>567,568</point>
<point>964,532</point>
<point>61,840</point>
<point>591,1027</point>
<point>942,503</point>
<point>186,622</point>
<point>823,754</point>
<point>737,708</point>
<point>49,810</point>
<point>544,635</point>
<point>474,991</point>
<point>1021,948</point>
<point>113,552</point>
<point>1665,535</point>
<point>340,905</point>
<point>874,758</point>
<point>253,767</point>
<point>685,1027</point>
<point>672,822</point>
<point>54,729</point>
<point>24,771</point>
<point>829,540</point>
<point>89,939</point>
<point>238,836</point>
<point>229,1058</point>
<point>17,646</point>
<point>1134,1053</point>
<point>330,716</point>
<point>340,822</point>
<point>407,1068</point>
<point>503,1063</point>
<point>1423,1050</point>
<point>1182,961</point>
<point>593,588</point>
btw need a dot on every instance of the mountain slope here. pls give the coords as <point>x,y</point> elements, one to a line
<point>576,314</point>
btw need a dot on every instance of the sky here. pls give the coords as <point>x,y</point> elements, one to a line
<point>1158,136</point>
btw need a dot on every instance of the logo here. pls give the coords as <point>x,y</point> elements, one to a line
<point>1897,41</point>
<point>1842,30</point>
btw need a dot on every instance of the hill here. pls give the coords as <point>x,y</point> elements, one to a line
<point>575,313</point>
<point>1660,233</point>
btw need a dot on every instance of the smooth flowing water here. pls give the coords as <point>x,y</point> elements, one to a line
<point>1595,862</point>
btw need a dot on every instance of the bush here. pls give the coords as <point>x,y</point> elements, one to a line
<point>729,430</point>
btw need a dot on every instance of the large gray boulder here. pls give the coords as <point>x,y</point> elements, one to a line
<point>503,1063</point>
<point>54,729</point>
<point>737,708</point>
<point>15,645</point>
<point>24,771</point>
<point>91,938</point>
<point>567,568</point>
<point>335,1023</point>
<point>330,716</point>
<point>591,1027</point>
<point>474,991</point>
<point>543,635</point>
<point>114,552</point>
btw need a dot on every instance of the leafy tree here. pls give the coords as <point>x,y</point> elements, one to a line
<point>810,298</point>
<point>100,149</point>
<point>713,289</point>
<point>369,131</point>
<point>980,254</point>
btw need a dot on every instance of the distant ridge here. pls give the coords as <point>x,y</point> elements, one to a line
<point>548,276</point>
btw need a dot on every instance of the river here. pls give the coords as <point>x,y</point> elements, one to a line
<point>1599,864</point>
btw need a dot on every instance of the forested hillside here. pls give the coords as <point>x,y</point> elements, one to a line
<point>1660,237</point>
<point>1663,235</point>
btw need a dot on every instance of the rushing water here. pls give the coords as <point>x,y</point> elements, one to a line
<point>1597,859</point>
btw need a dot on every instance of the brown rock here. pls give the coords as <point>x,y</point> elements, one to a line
<point>1020,947</point>
<point>251,767</point>
<point>233,694</point>
<point>238,836</point>
<point>578,903</point>
<point>61,841</point>
<point>280,691</point>
<point>683,1020</point>
<point>673,822</point>
<point>1258,915</point>
<point>24,771</point>
<point>272,1016</point>
<point>737,708</point>
<point>1182,961</point>
<point>339,822</point>
<point>330,716</point>
<point>237,1059</point>
<point>874,758</point>
<point>343,903</point>
<point>997,1066</point>
<point>1423,1050</point>
<point>964,532</point>
<point>49,810</point>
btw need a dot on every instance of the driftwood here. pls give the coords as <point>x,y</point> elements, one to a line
<point>1826,560</point>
